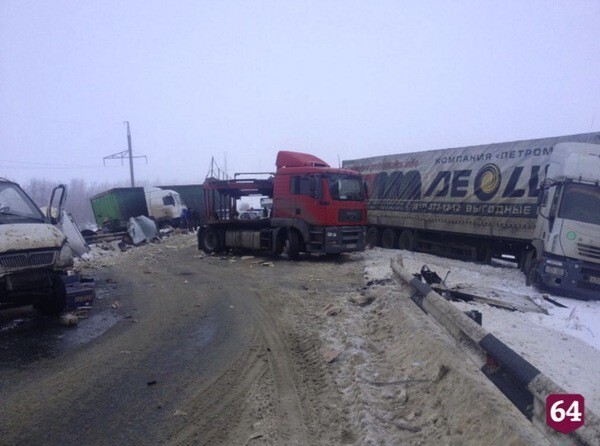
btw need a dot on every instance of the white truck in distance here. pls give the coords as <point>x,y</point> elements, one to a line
<point>536,200</point>
<point>113,208</point>
<point>34,255</point>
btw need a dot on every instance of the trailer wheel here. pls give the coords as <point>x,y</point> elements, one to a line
<point>292,245</point>
<point>406,240</point>
<point>484,254</point>
<point>210,241</point>
<point>388,239</point>
<point>373,237</point>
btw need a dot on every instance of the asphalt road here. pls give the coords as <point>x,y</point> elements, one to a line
<point>175,332</point>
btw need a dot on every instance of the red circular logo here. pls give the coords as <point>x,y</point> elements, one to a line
<point>565,412</point>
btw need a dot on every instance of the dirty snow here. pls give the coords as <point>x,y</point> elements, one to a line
<point>564,344</point>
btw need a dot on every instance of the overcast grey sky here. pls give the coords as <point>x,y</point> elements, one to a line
<point>248,78</point>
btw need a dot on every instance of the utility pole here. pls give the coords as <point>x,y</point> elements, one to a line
<point>126,154</point>
<point>130,154</point>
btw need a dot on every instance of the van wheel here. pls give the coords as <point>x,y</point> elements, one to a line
<point>292,245</point>
<point>388,239</point>
<point>407,240</point>
<point>55,302</point>
<point>210,241</point>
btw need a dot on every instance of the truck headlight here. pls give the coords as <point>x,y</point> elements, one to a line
<point>65,256</point>
<point>554,262</point>
<point>554,270</point>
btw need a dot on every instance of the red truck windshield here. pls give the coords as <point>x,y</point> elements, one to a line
<point>345,187</point>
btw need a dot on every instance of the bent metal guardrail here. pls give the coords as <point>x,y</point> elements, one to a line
<point>522,383</point>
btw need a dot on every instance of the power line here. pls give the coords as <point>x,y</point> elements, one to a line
<point>37,165</point>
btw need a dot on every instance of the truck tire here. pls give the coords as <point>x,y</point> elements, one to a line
<point>373,237</point>
<point>484,254</point>
<point>210,241</point>
<point>55,302</point>
<point>389,238</point>
<point>533,276</point>
<point>407,240</point>
<point>292,245</point>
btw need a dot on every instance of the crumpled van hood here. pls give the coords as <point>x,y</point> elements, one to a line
<point>22,236</point>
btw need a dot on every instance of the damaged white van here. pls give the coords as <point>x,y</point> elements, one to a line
<point>34,255</point>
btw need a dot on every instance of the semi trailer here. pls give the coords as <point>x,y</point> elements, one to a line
<point>535,201</point>
<point>113,208</point>
<point>314,209</point>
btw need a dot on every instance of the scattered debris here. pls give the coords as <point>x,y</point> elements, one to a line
<point>179,413</point>
<point>83,313</point>
<point>151,383</point>
<point>116,305</point>
<point>441,373</point>
<point>267,264</point>
<point>330,355</point>
<point>332,310</point>
<point>552,301</point>
<point>490,296</point>
<point>68,319</point>
<point>253,437</point>
<point>431,276</point>
<point>361,300</point>
<point>401,424</point>
<point>247,257</point>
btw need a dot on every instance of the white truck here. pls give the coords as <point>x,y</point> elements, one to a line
<point>537,201</point>
<point>34,254</point>
<point>114,207</point>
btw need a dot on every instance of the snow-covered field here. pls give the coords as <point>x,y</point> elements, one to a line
<point>564,344</point>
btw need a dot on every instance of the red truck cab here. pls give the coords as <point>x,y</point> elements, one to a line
<point>316,209</point>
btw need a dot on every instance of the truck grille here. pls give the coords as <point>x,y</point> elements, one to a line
<point>38,259</point>
<point>350,215</point>
<point>593,252</point>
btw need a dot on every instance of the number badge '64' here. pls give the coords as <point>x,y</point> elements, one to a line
<point>565,412</point>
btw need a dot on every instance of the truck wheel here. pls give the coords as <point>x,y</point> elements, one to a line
<point>388,239</point>
<point>292,245</point>
<point>210,241</point>
<point>55,302</point>
<point>373,237</point>
<point>407,240</point>
<point>484,254</point>
<point>533,276</point>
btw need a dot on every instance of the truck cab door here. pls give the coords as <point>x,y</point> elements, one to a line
<point>52,218</point>
<point>307,190</point>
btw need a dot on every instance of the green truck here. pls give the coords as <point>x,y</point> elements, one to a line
<point>113,208</point>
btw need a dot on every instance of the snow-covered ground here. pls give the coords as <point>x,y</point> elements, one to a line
<point>564,344</point>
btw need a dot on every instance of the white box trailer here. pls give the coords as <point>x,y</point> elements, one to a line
<point>526,199</point>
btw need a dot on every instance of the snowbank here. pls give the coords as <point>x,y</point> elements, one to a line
<point>564,344</point>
